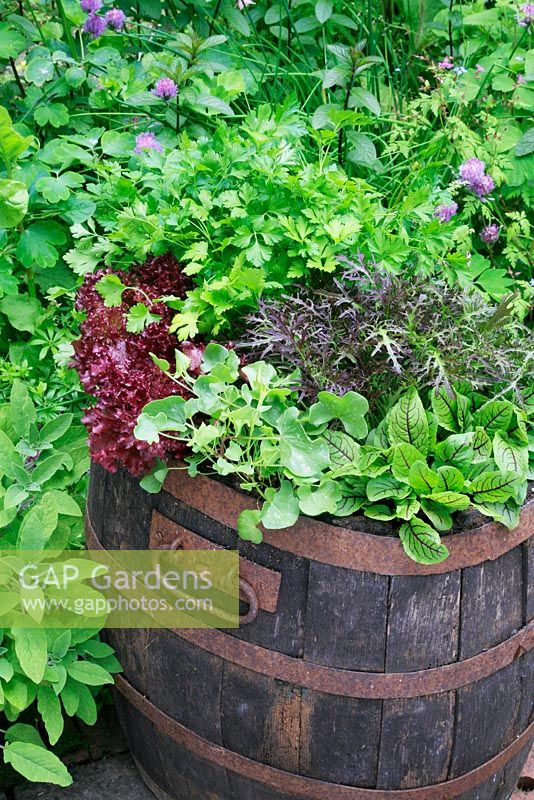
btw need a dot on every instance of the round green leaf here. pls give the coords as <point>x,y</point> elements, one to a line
<point>247,526</point>
<point>281,509</point>
<point>13,202</point>
<point>117,144</point>
<point>11,42</point>
<point>39,71</point>
<point>75,76</point>
<point>21,311</point>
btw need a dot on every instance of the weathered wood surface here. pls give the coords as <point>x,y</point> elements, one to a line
<point>340,619</point>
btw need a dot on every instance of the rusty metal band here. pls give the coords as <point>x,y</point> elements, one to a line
<point>292,784</point>
<point>368,685</point>
<point>156,790</point>
<point>349,683</point>
<point>342,547</point>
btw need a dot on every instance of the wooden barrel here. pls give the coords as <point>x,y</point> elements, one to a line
<point>357,674</point>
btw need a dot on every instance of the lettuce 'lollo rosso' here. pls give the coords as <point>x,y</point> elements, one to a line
<point>115,365</point>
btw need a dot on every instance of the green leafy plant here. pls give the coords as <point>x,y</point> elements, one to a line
<point>43,469</point>
<point>59,672</point>
<point>13,193</point>
<point>248,212</point>
<point>374,331</point>
<point>417,467</point>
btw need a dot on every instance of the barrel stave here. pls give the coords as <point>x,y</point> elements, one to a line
<point>342,739</point>
<point>346,618</point>
<point>492,602</point>
<point>490,714</point>
<point>415,741</point>
<point>423,621</point>
<point>186,683</point>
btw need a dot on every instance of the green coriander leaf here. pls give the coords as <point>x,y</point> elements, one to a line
<point>139,317</point>
<point>110,288</point>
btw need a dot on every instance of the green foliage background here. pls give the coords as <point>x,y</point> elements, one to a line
<point>301,130</point>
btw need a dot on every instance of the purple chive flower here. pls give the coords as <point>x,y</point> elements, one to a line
<point>526,17</point>
<point>446,63</point>
<point>165,88</point>
<point>91,6</point>
<point>490,234</point>
<point>147,141</point>
<point>95,25</point>
<point>446,211</point>
<point>242,4</point>
<point>472,170</point>
<point>115,18</point>
<point>473,173</point>
<point>483,186</point>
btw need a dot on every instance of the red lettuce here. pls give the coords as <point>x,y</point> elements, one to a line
<point>115,365</point>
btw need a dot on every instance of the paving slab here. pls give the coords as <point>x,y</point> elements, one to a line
<point>117,778</point>
<point>113,778</point>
